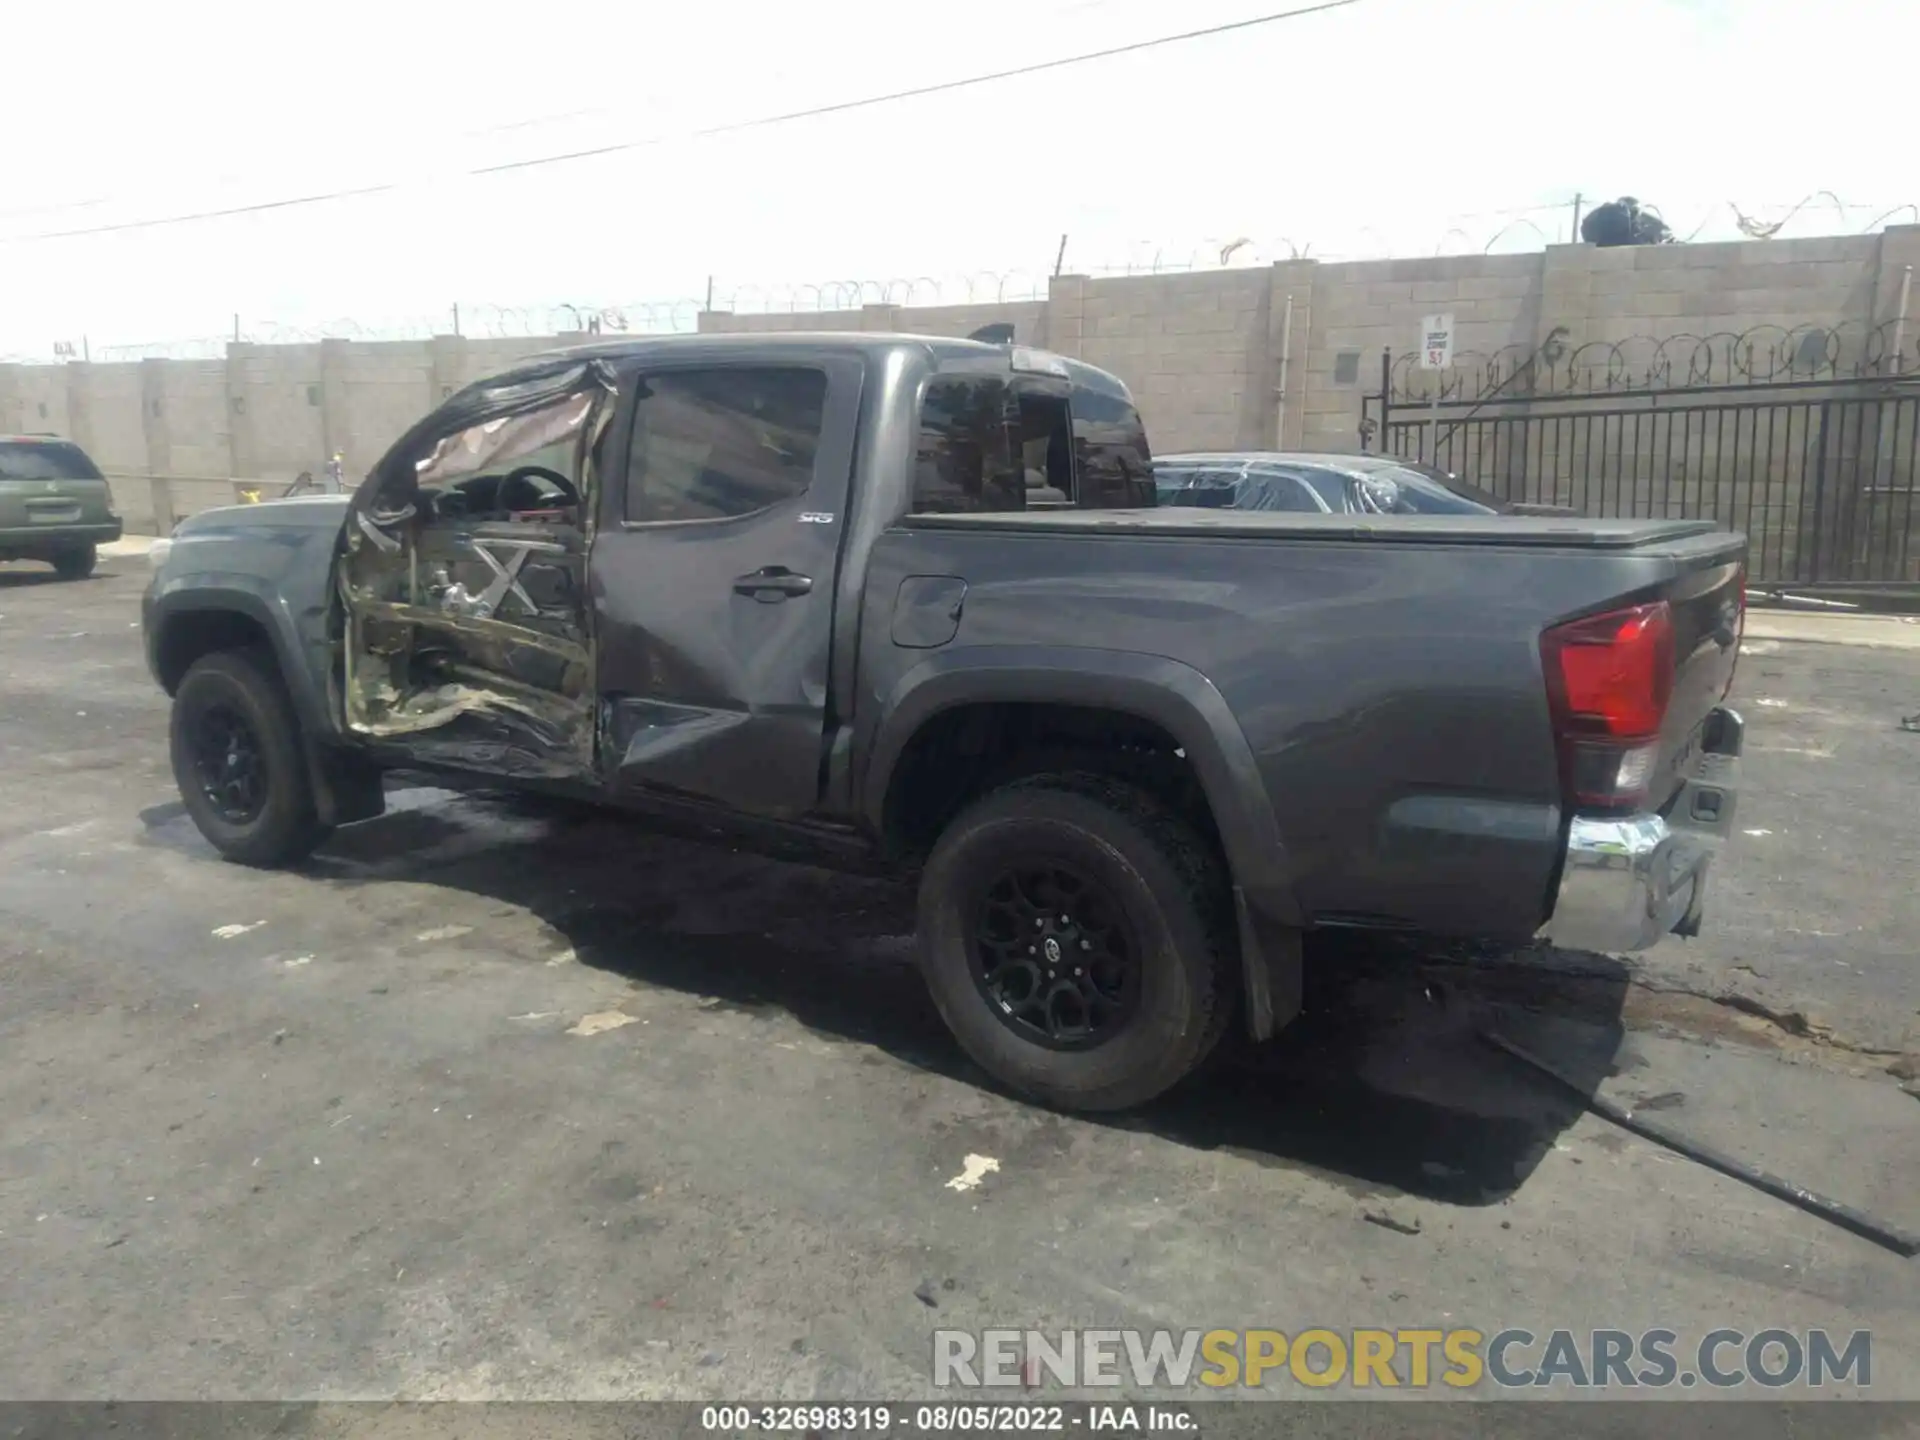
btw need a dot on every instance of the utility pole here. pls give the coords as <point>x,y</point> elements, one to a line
<point>1060,256</point>
<point>456,317</point>
<point>1574,238</point>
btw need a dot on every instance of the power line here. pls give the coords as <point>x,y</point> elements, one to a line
<point>202,214</point>
<point>733,127</point>
<point>1060,11</point>
<point>54,209</point>
<point>917,91</point>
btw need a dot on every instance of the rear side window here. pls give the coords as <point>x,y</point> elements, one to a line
<point>1236,487</point>
<point>1115,467</point>
<point>964,462</point>
<point>986,445</point>
<point>1329,486</point>
<point>1403,491</point>
<point>51,460</point>
<point>1277,490</point>
<point>720,443</point>
<point>1190,487</point>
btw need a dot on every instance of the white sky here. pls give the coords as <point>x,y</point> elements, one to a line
<point>1399,127</point>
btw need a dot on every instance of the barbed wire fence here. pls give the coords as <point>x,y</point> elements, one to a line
<point>1516,230</point>
<point>1755,358</point>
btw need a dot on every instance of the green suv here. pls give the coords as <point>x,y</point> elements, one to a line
<point>54,504</point>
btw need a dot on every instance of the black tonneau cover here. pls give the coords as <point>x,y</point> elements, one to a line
<point>1532,531</point>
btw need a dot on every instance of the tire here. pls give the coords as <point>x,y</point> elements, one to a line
<point>76,563</point>
<point>279,825</point>
<point>1156,880</point>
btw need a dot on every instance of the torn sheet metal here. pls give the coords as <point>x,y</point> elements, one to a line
<point>463,582</point>
<point>472,450</point>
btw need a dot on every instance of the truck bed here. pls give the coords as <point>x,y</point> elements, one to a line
<point>1531,531</point>
<point>1385,671</point>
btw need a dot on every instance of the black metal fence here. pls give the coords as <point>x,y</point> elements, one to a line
<point>1821,470</point>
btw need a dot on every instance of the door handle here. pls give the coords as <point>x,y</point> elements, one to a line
<point>772,583</point>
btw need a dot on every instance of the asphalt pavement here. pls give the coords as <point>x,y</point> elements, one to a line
<point>497,1101</point>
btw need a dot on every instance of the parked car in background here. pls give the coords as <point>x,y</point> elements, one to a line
<point>54,504</point>
<point>1325,485</point>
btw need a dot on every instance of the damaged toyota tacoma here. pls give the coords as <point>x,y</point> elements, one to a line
<point>906,604</point>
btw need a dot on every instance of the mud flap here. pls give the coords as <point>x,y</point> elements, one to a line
<point>346,787</point>
<point>1271,969</point>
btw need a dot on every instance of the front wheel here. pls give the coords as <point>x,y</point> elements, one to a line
<point>236,757</point>
<point>1077,938</point>
<point>75,563</point>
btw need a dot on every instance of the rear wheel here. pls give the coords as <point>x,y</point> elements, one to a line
<point>75,563</point>
<point>236,757</point>
<point>1076,937</point>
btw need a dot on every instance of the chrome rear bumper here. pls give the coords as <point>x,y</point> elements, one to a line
<point>1629,880</point>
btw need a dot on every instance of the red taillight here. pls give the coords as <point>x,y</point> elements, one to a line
<point>1609,678</point>
<point>1614,672</point>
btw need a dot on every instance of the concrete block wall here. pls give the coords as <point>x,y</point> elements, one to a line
<point>1193,349</point>
<point>1203,352</point>
<point>1028,318</point>
<point>1360,311</point>
<point>784,322</point>
<point>276,396</point>
<point>459,361</point>
<point>190,431</point>
<point>33,398</point>
<point>1737,285</point>
<point>383,389</point>
<point>105,413</point>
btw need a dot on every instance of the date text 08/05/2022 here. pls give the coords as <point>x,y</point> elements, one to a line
<point>945,1419</point>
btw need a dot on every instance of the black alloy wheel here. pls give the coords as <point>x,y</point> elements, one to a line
<point>240,761</point>
<point>228,764</point>
<point>1077,937</point>
<point>1054,956</point>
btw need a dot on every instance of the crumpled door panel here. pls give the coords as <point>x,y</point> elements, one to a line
<point>463,582</point>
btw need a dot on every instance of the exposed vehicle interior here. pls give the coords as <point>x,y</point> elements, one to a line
<point>532,491</point>
<point>1046,450</point>
<point>464,588</point>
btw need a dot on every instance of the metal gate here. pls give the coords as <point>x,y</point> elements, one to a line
<point>1807,440</point>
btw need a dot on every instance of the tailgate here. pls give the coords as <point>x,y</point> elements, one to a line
<point>1708,603</point>
<point>28,503</point>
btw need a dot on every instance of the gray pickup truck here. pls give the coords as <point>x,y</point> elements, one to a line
<point>904,603</point>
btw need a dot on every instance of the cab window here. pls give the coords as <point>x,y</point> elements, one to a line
<point>725,442</point>
<point>1113,463</point>
<point>965,461</point>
